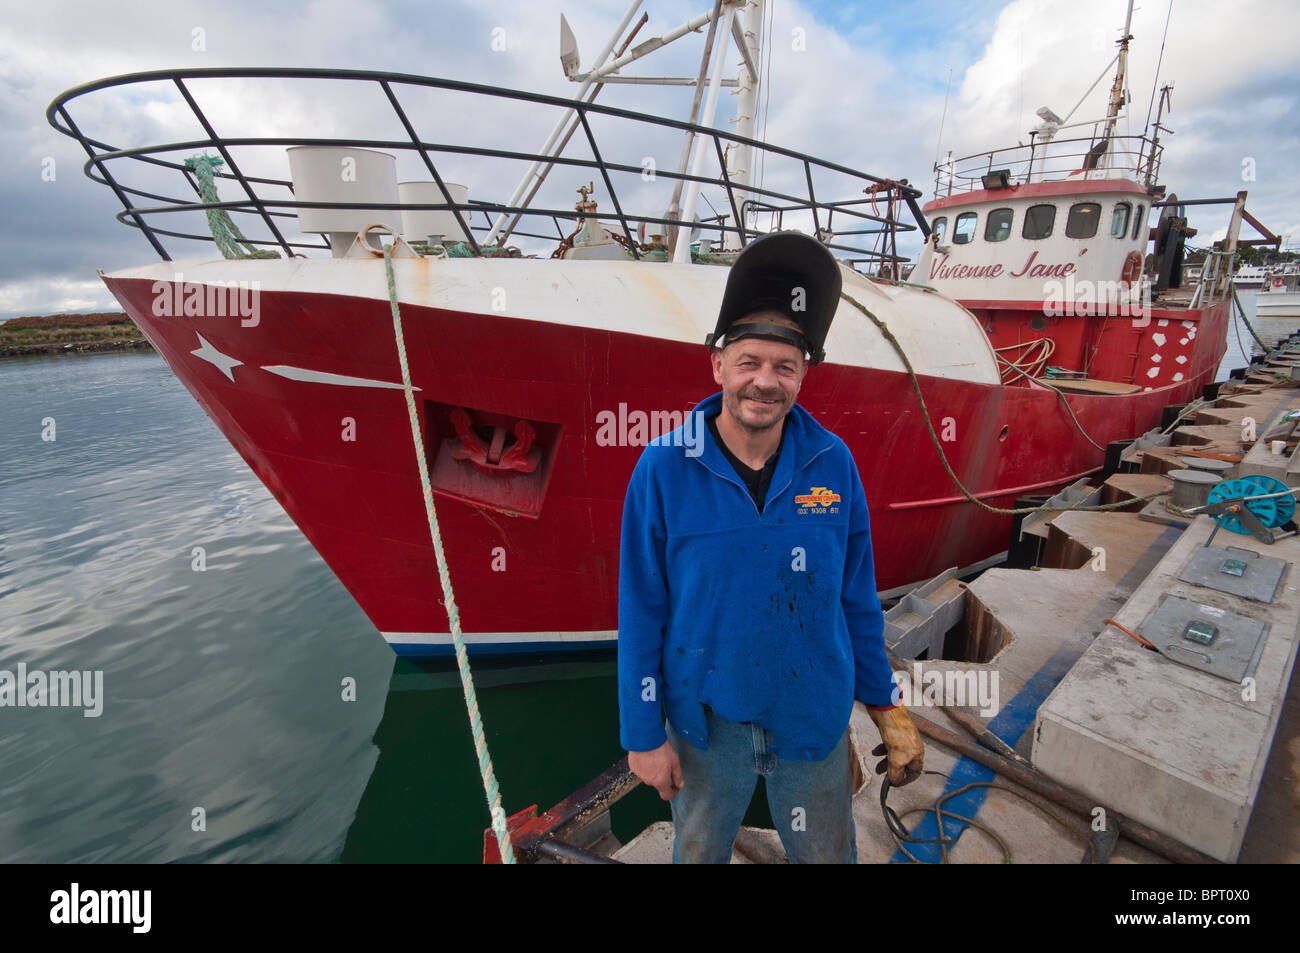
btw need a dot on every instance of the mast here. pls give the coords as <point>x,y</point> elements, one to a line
<point>1166,96</point>
<point>675,206</point>
<point>1117,88</point>
<point>682,253</point>
<point>742,157</point>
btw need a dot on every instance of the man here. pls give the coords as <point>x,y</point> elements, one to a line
<point>747,596</point>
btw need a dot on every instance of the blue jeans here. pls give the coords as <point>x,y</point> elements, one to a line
<point>811,801</point>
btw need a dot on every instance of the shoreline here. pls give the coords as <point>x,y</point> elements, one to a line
<point>88,347</point>
<point>70,334</point>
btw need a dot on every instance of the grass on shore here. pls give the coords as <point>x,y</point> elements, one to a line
<point>57,330</point>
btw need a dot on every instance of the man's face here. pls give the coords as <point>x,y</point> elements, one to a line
<point>760,378</point>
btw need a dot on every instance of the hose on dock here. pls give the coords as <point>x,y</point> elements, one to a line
<point>490,787</point>
<point>1067,798</point>
<point>901,835</point>
<point>987,749</point>
<point>981,733</point>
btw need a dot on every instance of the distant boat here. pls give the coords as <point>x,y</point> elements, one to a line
<point>1249,276</point>
<point>1277,304</point>
<point>1279,295</point>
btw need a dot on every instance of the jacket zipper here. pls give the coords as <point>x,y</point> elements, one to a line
<point>735,480</point>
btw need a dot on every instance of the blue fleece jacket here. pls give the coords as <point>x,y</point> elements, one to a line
<point>771,618</point>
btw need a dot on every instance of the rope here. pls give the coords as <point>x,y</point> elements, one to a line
<point>1193,407</point>
<point>1236,328</point>
<point>1068,409</point>
<point>938,446</point>
<point>449,597</point>
<point>1241,311</point>
<point>225,233</point>
<point>1035,367</point>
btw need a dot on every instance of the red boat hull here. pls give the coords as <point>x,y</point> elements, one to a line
<point>339,457</point>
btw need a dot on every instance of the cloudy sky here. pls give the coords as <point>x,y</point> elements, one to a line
<point>864,88</point>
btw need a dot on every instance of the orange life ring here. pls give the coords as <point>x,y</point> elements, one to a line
<point>1132,271</point>
<point>1278,282</point>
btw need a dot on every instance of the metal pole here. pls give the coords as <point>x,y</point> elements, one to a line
<point>682,253</point>
<point>573,127</point>
<point>1117,90</point>
<point>747,108</point>
<point>649,46</point>
<point>674,207</point>
<point>563,121</point>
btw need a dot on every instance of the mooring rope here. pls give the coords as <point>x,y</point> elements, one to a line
<point>1241,312</point>
<point>490,787</point>
<point>943,457</point>
<point>225,233</point>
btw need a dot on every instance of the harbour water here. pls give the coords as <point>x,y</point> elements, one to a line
<point>250,712</point>
<point>1239,340</point>
<point>224,733</point>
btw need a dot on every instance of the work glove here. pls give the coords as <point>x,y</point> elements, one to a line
<point>902,747</point>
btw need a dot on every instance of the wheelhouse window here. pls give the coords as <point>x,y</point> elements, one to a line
<point>963,232</point>
<point>1083,219</point>
<point>1039,220</point>
<point>1119,221</point>
<point>939,228</point>
<point>1139,222</point>
<point>998,226</point>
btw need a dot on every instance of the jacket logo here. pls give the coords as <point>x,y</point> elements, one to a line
<point>819,497</point>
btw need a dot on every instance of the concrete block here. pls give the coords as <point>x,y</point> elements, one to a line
<point>1178,749</point>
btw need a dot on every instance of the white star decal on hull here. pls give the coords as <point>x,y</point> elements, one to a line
<point>222,362</point>
<point>227,364</point>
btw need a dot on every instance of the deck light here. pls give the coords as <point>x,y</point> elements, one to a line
<point>997,179</point>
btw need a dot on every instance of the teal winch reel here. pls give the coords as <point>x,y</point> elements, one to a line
<point>1254,505</point>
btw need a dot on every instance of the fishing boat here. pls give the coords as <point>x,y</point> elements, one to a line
<point>1047,245</point>
<point>547,342</point>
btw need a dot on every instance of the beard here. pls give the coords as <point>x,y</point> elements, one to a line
<point>753,419</point>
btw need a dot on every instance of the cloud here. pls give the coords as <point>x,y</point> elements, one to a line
<point>867,90</point>
<point>55,295</point>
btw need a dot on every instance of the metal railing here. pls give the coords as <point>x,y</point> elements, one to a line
<point>1138,157</point>
<point>266,202</point>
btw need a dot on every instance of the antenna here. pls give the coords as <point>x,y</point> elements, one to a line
<point>1159,60</point>
<point>938,146</point>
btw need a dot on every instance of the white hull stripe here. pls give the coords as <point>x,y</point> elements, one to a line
<point>497,638</point>
<point>324,377</point>
<point>650,299</point>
